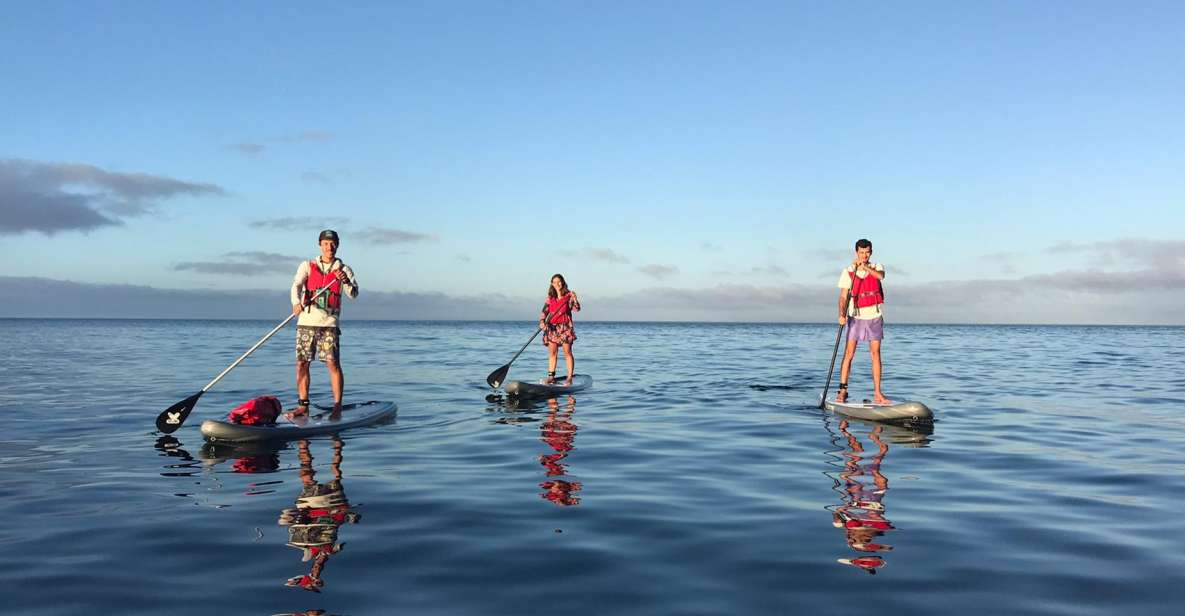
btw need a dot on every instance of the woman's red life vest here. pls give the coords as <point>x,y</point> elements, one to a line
<point>329,301</point>
<point>866,290</point>
<point>560,308</point>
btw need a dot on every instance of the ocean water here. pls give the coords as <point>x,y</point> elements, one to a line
<point>697,476</point>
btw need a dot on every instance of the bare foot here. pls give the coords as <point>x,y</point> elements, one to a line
<point>301,410</point>
<point>337,412</point>
<point>881,399</point>
<point>568,380</point>
<point>549,380</point>
<point>841,396</point>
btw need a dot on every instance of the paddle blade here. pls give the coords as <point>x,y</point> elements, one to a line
<point>498,376</point>
<point>175,415</point>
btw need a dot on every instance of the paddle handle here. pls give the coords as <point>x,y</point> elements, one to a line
<point>261,341</point>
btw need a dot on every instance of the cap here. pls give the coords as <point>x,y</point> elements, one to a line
<point>328,234</point>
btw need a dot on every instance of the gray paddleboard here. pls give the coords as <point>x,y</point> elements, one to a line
<point>315,423</point>
<point>522,389</point>
<point>909,411</point>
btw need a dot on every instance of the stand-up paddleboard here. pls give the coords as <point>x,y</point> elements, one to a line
<point>312,424</point>
<point>521,389</point>
<point>909,412</point>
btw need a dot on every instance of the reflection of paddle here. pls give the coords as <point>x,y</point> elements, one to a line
<point>175,415</point>
<point>838,334</point>
<point>498,376</point>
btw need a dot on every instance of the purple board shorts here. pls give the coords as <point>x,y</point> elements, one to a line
<point>866,329</point>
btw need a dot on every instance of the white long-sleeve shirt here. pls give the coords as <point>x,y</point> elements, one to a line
<point>312,316</point>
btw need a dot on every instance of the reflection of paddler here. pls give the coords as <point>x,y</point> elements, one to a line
<point>320,510</point>
<point>559,432</point>
<point>862,513</point>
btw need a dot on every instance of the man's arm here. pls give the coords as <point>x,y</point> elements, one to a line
<point>296,295</point>
<point>349,284</point>
<point>877,271</point>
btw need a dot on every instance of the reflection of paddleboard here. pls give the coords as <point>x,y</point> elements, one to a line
<point>521,389</point>
<point>900,412</point>
<point>352,416</point>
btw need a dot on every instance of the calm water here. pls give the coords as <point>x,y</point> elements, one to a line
<point>696,477</point>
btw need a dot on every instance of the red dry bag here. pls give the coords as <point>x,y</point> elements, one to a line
<point>261,411</point>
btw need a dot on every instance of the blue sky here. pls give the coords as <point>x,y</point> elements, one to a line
<point>1011,161</point>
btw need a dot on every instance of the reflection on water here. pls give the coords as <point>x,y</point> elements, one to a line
<point>320,511</point>
<point>863,486</point>
<point>320,508</point>
<point>559,431</point>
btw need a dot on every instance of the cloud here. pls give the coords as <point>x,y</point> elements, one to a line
<point>659,272</point>
<point>250,149</point>
<point>769,270</point>
<point>1140,251</point>
<point>249,263</point>
<point>763,270</point>
<point>1071,297</point>
<point>380,236</point>
<point>709,247</point>
<point>255,148</point>
<point>597,254</point>
<point>607,254</point>
<point>299,223</point>
<point>68,299</point>
<point>464,258</point>
<point>57,197</point>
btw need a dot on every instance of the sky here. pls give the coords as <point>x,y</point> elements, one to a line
<point>1012,162</point>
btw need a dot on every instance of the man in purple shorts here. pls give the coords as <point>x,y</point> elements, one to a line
<point>861,281</point>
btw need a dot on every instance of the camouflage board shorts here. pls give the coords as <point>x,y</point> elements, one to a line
<point>317,343</point>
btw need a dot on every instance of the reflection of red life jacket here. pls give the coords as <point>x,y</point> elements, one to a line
<point>329,301</point>
<point>560,308</point>
<point>866,290</point>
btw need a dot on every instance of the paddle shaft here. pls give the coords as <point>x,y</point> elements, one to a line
<point>261,341</point>
<point>550,316</point>
<point>835,351</point>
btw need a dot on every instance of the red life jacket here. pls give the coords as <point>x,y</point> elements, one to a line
<point>560,308</point>
<point>329,301</point>
<point>866,290</point>
<point>261,411</point>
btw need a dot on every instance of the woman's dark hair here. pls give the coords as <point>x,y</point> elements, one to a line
<point>551,290</point>
<point>863,244</point>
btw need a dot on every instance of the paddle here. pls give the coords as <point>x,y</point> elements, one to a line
<point>838,334</point>
<point>175,415</point>
<point>496,377</point>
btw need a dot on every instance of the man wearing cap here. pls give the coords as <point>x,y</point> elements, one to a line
<point>317,330</point>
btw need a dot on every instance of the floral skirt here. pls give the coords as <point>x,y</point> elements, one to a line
<point>561,334</point>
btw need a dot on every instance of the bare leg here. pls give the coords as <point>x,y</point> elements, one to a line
<point>845,370</point>
<point>571,361</point>
<point>874,346</point>
<point>552,357</point>
<point>337,380</point>
<point>302,385</point>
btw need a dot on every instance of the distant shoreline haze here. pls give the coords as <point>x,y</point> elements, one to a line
<point>1018,303</point>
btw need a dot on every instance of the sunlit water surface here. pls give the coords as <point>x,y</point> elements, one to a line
<point>697,476</point>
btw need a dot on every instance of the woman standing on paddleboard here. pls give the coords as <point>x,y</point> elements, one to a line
<point>557,326</point>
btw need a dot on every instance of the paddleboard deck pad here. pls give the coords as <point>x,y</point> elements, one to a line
<point>316,422</point>
<point>909,412</point>
<point>521,389</point>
